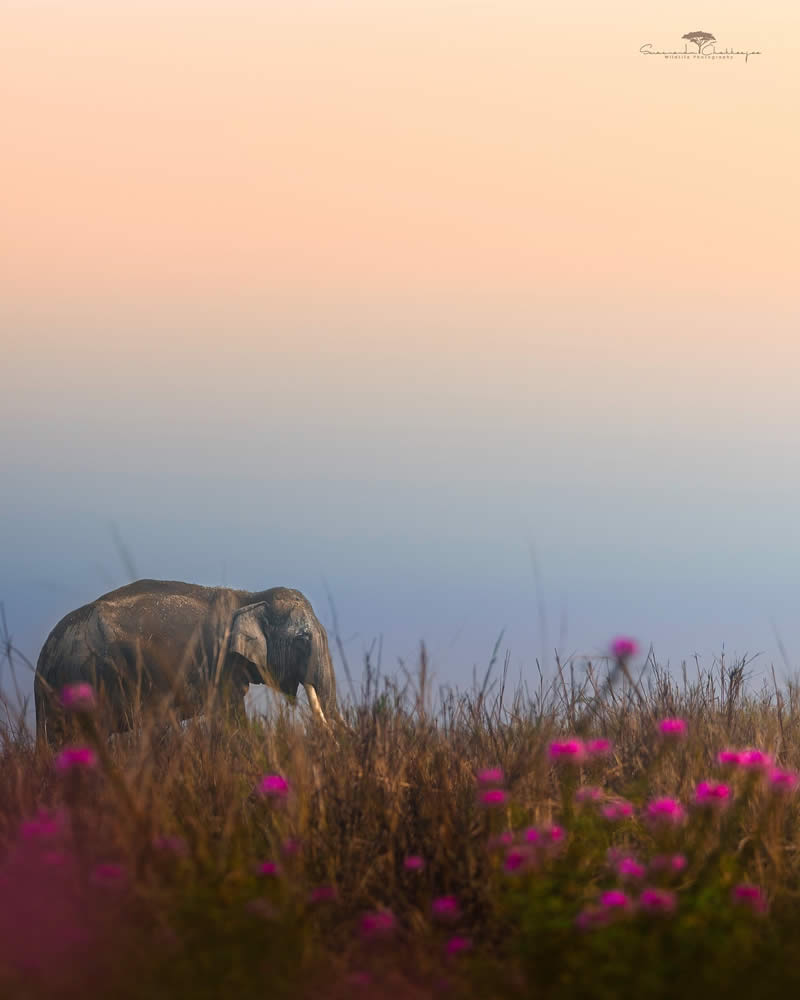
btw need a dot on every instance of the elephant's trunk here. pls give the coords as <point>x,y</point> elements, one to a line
<point>321,675</point>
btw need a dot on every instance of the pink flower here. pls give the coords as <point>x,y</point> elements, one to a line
<point>712,793</point>
<point>589,918</point>
<point>567,751</point>
<point>516,859</point>
<point>658,900</point>
<point>755,760</point>
<point>171,845</point>
<point>323,894</point>
<point>589,794</point>
<point>665,862</point>
<point>377,923</point>
<point>673,729</point>
<point>783,781</point>
<point>598,748</point>
<point>78,697</point>
<point>268,869</point>
<point>615,899</point>
<point>618,810</point>
<point>501,841</point>
<point>554,834</point>
<point>630,868</point>
<point>729,758</point>
<point>457,945</point>
<point>746,894</point>
<point>414,863</point>
<point>76,759</point>
<point>490,776</point>
<point>623,647</point>
<point>274,786</point>
<point>532,835</point>
<point>44,826</point>
<point>493,798</point>
<point>445,908</point>
<point>666,812</point>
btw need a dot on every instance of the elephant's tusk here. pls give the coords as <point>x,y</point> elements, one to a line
<point>313,701</point>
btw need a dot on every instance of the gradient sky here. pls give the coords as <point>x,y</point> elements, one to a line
<point>382,294</point>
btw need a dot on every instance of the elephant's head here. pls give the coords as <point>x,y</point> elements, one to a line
<point>283,644</point>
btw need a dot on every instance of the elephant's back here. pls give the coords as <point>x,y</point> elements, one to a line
<point>155,588</point>
<point>69,643</point>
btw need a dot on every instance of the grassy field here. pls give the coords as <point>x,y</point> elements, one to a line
<point>583,838</point>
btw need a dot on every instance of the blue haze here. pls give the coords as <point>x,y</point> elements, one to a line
<point>408,461</point>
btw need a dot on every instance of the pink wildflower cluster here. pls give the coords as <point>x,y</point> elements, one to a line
<point>783,781</point>
<point>713,794</point>
<point>747,760</point>
<point>612,904</point>
<point>672,864</point>
<point>76,759</point>
<point>273,786</point>
<point>414,863</point>
<point>323,894</point>
<point>169,844</point>
<point>598,748</point>
<point>493,798</point>
<point>533,845</point>
<point>491,776</point>
<point>615,903</point>
<point>617,810</point>
<point>457,945</point>
<point>45,825</point>
<point>623,647</point>
<point>757,761</point>
<point>751,896</point>
<point>567,751</point>
<point>445,908</point>
<point>615,900</point>
<point>575,751</point>
<point>78,697</point>
<point>673,729</point>
<point>377,924</point>
<point>490,791</point>
<point>658,901</point>
<point>108,875</point>
<point>665,812</point>
<point>589,795</point>
<point>630,868</point>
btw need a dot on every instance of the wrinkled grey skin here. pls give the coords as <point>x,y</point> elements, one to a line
<point>157,639</point>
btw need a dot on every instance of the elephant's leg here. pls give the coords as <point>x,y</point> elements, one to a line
<point>313,701</point>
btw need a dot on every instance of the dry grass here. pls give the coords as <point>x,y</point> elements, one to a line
<point>397,780</point>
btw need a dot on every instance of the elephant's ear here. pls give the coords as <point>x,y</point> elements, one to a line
<point>247,635</point>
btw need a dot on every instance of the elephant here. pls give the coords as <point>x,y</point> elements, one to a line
<point>159,640</point>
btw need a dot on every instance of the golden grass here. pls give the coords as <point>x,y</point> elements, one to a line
<point>398,778</point>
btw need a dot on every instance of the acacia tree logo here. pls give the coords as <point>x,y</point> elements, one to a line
<point>700,38</point>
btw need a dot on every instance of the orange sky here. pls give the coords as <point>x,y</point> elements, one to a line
<point>434,149</point>
<point>381,291</point>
